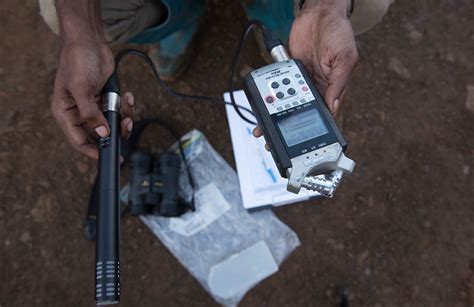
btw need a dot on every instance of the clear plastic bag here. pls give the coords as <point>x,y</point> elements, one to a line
<point>227,249</point>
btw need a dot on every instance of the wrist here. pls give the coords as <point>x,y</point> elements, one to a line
<point>74,30</point>
<point>79,21</point>
<point>334,7</point>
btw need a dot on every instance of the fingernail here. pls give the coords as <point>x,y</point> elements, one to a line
<point>254,132</point>
<point>101,131</point>
<point>335,105</point>
<point>130,125</point>
<point>131,99</point>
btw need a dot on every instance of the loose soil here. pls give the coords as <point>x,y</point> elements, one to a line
<point>399,232</point>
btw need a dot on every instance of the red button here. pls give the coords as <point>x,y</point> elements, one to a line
<point>305,88</point>
<point>269,99</point>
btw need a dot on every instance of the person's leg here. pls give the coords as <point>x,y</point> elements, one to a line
<point>180,15</point>
<point>122,20</point>
<point>167,27</point>
<point>170,42</point>
<point>278,15</point>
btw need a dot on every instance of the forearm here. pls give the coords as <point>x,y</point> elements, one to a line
<point>79,20</point>
<point>328,6</point>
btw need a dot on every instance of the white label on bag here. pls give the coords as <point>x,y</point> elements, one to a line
<point>210,205</point>
<point>241,271</point>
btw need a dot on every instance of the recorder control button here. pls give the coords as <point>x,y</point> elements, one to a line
<point>275,85</point>
<point>301,82</point>
<point>286,81</point>
<point>305,88</point>
<point>280,95</point>
<point>269,99</point>
<point>297,76</point>
<point>291,91</point>
<point>287,106</point>
<point>280,109</point>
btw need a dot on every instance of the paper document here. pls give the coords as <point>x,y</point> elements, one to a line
<point>259,179</point>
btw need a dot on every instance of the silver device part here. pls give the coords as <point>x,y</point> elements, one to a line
<point>320,161</point>
<point>320,169</point>
<point>106,292</point>
<point>325,184</point>
<point>107,303</point>
<point>280,54</point>
<point>111,102</point>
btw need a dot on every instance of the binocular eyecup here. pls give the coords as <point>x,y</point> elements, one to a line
<point>154,185</point>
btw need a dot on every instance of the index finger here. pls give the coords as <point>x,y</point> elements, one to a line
<point>89,107</point>
<point>338,77</point>
<point>74,128</point>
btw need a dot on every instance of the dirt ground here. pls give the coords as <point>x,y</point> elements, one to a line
<point>399,232</point>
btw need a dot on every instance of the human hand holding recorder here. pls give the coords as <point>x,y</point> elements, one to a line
<point>321,37</point>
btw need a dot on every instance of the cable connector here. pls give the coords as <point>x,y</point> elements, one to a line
<point>112,85</point>
<point>324,184</point>
<point>270,39</point>
<point>274,45</point>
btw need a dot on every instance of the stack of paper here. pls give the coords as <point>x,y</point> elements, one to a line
<point>260,181</point>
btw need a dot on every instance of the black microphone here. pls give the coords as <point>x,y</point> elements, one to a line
<point>107,267</point>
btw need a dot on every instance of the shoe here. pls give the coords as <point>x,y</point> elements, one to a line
<point>170,42</point>
<point>173,54</point>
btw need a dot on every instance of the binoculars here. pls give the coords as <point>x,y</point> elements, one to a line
<point>154,185</point>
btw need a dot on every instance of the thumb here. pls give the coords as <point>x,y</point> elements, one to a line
<point>91,114</point>
<point>337,79</point>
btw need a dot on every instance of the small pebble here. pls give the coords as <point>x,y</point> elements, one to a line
<point>466,170</point>
<point>25,237</point>
<point>450,57</point>
<point>415,36</point>
<point>368,272</point>
<point>396,65</point>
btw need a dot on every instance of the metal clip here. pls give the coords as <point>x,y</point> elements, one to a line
<point>324,184</point>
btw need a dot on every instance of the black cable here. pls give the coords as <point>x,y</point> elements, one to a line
<point>235,58</point>
<point>170,91</point>
<point>137,130</point>
<point>136,133</point>
<point>143,55</point>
